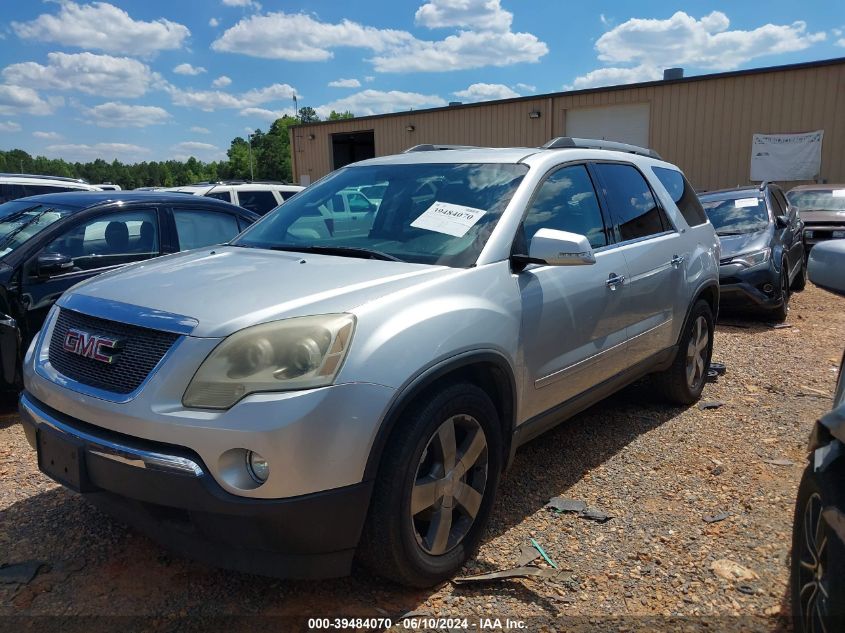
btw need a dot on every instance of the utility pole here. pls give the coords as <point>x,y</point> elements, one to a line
<point>295,108</point>
<point>249,139</point>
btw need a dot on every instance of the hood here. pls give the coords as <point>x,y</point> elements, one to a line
<point>733,245</point>
<point>230,288</point>
<point>833,218</point>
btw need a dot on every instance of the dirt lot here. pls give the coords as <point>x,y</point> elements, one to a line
<point>657,470</point>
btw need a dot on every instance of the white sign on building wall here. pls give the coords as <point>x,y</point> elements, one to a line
<point>786,156</point>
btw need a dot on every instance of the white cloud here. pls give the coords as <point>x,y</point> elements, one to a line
<point>103,26</point>
<point>122,115</point>
<point>604,19</point>
<point>48,136</point>
<point>369,78</point>
<point>345,83</point>
<point>526,87</point>
<point>485,92</point>
<point>125,152</point>
<point>187,69</point>
<point>221,82</point>
<point>22,100</point>
<point>203,151</point>
<point>379,102</point>
<point>840,42</point>
<point>615,76</point>
<point>101,75</point>
<point>300,37</point>
<point>200,130</point>
<point>10,126</point>
<point>243,3</point>
<point>704,43</point>
<point>267,115</point>
<point>482,15</point>
<point>213,22</point>
<point>210,100</point>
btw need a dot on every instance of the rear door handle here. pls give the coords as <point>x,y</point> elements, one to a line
<point>677,260</point>
<point>615,280</point>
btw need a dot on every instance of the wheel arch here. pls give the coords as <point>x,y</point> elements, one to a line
<point>487,369</point>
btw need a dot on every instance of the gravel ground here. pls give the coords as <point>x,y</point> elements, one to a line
<point>657,470</point>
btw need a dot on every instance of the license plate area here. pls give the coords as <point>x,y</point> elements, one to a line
<point>63,459</point>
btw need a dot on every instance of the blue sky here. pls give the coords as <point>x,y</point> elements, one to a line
<point>156,79</point>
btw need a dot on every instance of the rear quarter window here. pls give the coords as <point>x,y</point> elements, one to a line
<point>682,194</point>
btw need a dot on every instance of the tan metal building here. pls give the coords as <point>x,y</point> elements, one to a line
<point>704,124</point>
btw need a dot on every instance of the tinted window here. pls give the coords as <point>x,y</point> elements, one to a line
<point>106,240</point>
<point>13,192</point>
<point>259,201</point>
<point>778,208</point>
<point>567,201</point>
<point>781,200</point>
<point>197,228</point>
<point>683,195</point>
<point>635,212</point>
<point>287,194</point>
<point>220,195</point>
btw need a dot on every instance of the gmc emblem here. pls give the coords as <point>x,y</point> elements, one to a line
<point>94,346</point>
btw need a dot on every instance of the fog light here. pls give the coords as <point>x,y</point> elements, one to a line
<point>257,466</point>
<point>768,288</point>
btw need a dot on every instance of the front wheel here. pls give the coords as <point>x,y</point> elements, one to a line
<point>684,381</point>
<point>435,488</point>
<point>800,281</point>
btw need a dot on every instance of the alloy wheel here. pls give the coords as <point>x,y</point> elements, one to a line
<point>449,484</point>
<point>812,590</point>
<point>697,353</point>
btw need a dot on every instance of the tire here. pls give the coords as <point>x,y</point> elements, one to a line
<point>811,610</point>
<point>676,384</point>
<point>780,313</point>
<point>401,542</point>
<point>800,281</point>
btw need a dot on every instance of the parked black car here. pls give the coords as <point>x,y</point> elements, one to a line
<point>818,532</point>
<point>50,242</point>
<point>762,257</point>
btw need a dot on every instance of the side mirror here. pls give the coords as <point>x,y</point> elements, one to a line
<point>781,222</point>
<point>559,248</point>
<point>826,267</point>
<point>49,264</point>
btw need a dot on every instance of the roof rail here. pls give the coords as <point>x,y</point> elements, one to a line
<point>39,176</point>
<point>562,142</point>
<point>428,147</point>
<point>238,182</point>
<point>763,185</point>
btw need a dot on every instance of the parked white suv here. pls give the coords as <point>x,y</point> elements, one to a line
<point>257,196</point>
<point>14,186</point>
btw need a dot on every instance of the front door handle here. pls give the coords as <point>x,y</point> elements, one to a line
<point>615,280</point>
<point>677,260</point>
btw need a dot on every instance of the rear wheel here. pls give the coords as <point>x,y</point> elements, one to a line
<point>684,381</point>
<point>435,488</point>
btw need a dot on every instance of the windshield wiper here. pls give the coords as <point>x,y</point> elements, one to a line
<point>343,251</point>
<point>11,235</point>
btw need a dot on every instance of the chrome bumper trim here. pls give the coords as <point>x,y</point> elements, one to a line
<point>135,457</point>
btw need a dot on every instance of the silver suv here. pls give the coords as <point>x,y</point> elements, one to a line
<point>297,398</point>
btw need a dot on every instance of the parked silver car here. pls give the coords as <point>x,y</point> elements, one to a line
<point>288,401</point>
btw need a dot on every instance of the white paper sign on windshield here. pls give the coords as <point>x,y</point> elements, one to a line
<point>838,193</point>
<point>745,202</point>
<point>448,218</point>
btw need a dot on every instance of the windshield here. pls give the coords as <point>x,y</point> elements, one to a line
<point>427,213</point>
<point>818,199</point>
<point>734,216</point>
<point>22,219</point>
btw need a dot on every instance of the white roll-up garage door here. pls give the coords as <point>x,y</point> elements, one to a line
<point>623,123</point>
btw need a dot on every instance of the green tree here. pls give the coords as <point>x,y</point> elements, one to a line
<point>307,114</point>
<point>336,116</point>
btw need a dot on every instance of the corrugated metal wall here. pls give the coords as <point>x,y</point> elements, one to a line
<point>703,126</point>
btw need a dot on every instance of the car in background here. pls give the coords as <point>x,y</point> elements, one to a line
<point>347,212</point>
<point>822,209</point>
<point>51,242</point>
<point>14,186</point>
<point>817,582</point>
<point>257,196</point>
<point>762,258</point>
<point>107,186</point>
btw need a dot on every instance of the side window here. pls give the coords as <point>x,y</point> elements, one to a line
<point>199,227</point>
<point>632,205</point>
<point>287,194</point>
<point>11,192</point>
<point>258,201</point>
<point>220,195</point>
<point>567,201</point>
<point>358,203</point>
<point>778,209</point>
<point>108,240</point>
<point>683,195</point>
<point>787,210</point>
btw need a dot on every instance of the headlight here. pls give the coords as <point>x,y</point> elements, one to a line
<point>808,234</point>
<point>753,258</point>
<point>298,353</point>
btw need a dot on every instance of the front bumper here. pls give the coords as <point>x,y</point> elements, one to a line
<point>166,492</point>
<point>742,287</point>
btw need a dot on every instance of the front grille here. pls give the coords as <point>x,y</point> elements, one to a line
<point>142,349</point>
